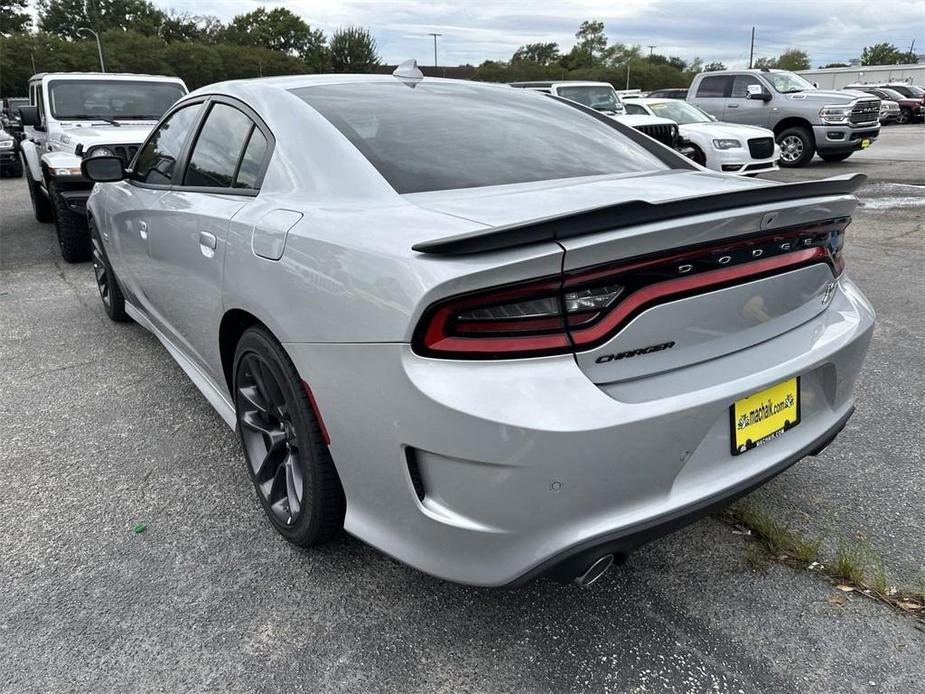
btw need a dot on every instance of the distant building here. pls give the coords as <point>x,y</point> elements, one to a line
<point>839,77</point>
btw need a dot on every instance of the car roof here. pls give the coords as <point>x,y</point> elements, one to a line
<point>244,87</point>
<point>108,75</point>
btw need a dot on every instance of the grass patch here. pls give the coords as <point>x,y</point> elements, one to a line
<point>851,560</point>
<point>854,562</point>
<point>777,537</point>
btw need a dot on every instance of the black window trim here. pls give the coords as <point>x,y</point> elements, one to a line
<point>208,101</point>
<point>727,89</point>
<point>184,149</point>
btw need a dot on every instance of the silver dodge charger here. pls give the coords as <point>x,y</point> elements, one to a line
<point>494,334</point>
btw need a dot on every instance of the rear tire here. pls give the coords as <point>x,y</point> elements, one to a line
<point>905,116</point>
<point>41,208</point>
<point>287,459</point>
<point>840,156</point>
<point>106,281</point>
<point>797,147</point>
<point>73,234</point>
<point>16,170</point>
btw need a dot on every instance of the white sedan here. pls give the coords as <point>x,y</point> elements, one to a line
<point>726,147</point>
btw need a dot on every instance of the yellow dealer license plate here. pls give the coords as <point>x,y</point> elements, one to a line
<point>764,416</point>
<point>865,143</point>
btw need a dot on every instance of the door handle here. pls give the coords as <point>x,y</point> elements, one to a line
<point>207,243</point>
<point>732,106</point>
<point>143,230</point>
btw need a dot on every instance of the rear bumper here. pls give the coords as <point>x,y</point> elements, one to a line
<point>527,463</point>
<point>620,543</point>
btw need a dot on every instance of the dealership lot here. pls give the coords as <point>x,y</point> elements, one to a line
<point>101,430</point>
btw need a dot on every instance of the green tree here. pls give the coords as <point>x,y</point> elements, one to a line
<point>762,63</point>
<point>591,39</point>
<point>714,66</point>
<point>793,59</point>
<point>183,26</point>
<point>882,54</point>
<point>279,30</point>
<point>542,53</point>
<point>353,49</point>
<point>823,67</point>
<point>64,17</point>
<point>14,17</point>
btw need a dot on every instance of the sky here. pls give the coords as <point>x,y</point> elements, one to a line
<point>717,30</point>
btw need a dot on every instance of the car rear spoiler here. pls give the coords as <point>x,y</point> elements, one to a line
<point>632,213</point>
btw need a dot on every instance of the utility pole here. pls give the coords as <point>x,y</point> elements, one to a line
<point>651,48</point>
<point>751,51</point>
<point>435,47</point>
<point>627,73</point>
<point>99,46</point>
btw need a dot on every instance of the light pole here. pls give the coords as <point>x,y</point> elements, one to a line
<point>99,46</point>
<point>435,47</point>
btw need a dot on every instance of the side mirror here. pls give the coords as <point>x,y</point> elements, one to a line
<point>103,169</point>
<point>29,116</point>
<point>756,91</point>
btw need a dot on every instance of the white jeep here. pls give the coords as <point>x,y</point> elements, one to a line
<point>603,98</point>
<point>74,115</point>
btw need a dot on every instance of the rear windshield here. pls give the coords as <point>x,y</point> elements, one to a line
<point>440,136</point>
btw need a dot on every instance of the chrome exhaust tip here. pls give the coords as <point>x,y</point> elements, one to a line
<point>597,569</point>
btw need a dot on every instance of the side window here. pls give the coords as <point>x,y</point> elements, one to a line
<point>740,83</point>
<point>156,161</point>
<point>713,87</point>
<point>215,157</point>
<point>252,161</point>
<point>635,109</point>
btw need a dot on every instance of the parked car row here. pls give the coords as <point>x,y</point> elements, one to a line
<point>495,334</point>
<point>719,146</point>
<point>907,105</point>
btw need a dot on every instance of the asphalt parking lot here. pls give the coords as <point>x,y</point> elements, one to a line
<point>100,429</point>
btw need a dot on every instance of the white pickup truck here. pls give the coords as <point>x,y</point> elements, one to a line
<point>74,115</point>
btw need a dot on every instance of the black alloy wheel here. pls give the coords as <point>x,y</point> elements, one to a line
<point>106,283</point>
<point>270,439</point>
<point>288,461</point>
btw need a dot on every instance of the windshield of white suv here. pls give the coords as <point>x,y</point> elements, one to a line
<point>101,99</point>
<point>600,98</point>
<point>680,112</point>
<point>787,82</point>
<point>443,136</point>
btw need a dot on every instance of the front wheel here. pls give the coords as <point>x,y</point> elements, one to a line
<point>796,147</point>
<point>905,116</point>
<point>832,157</point>
<point>106,282</point>
<point>288,461</point>
<point>699,157</point>
<point>40,205</point>
<point>73,235</point>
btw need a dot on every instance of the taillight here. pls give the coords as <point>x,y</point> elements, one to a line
<point>579,310</point>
